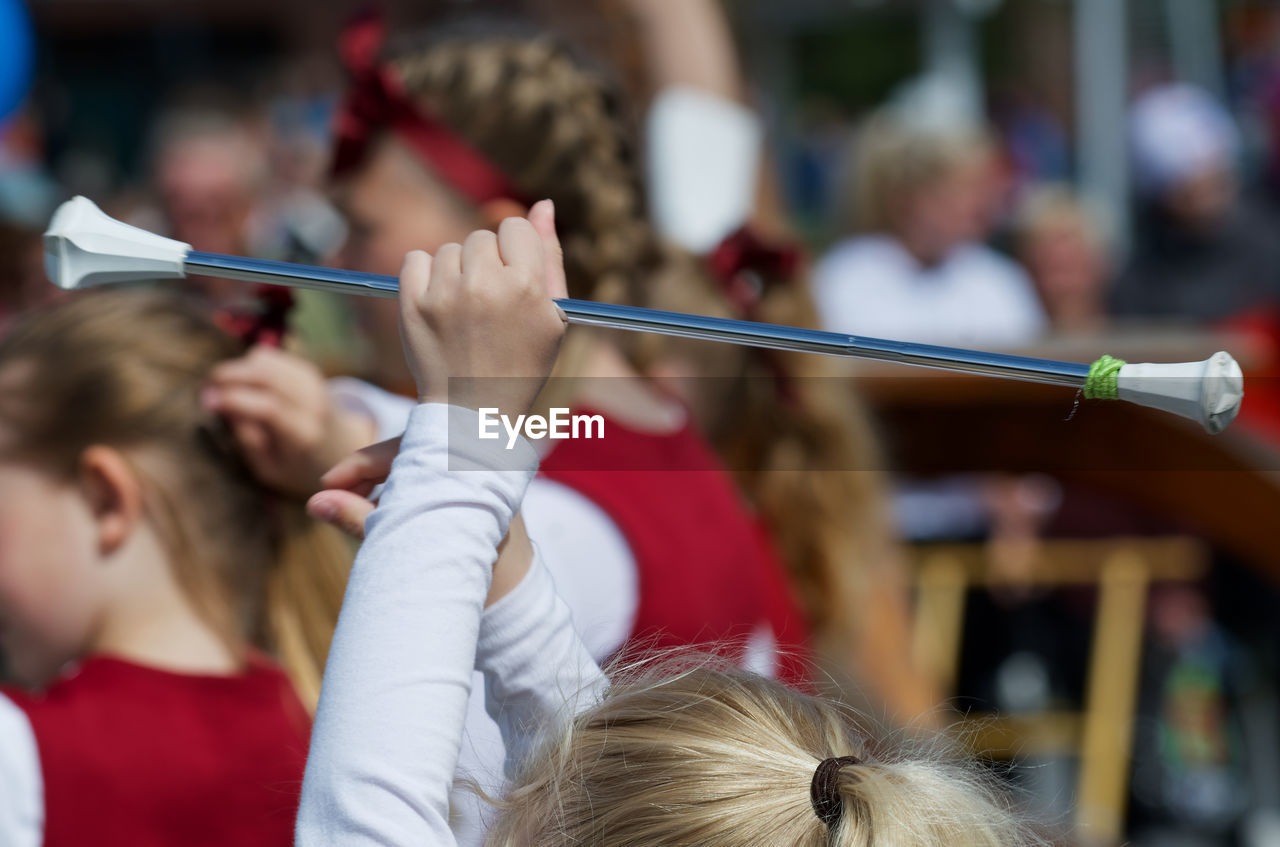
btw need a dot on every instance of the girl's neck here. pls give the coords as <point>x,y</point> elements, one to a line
<point>148,619</point>
<point>178,643</point>
<point>613,386</point>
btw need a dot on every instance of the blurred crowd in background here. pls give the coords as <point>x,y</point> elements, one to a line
<point>974,173</point>
<point>214,127</point>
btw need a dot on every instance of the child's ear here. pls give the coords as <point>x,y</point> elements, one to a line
<point>494,212</point>
<point>114,494</point>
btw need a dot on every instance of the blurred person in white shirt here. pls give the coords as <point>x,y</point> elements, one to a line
<point>1063,245</point>
<point>916,269</point>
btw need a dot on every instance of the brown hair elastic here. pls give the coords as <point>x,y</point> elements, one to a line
<point>824,791</point>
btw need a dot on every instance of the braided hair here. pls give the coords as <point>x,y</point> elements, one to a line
<point>555,132</point>
<point>787,425</point>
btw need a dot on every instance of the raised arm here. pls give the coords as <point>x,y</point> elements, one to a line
<point>392,707</point>
<point>389,724</point>
<point>688,43</point>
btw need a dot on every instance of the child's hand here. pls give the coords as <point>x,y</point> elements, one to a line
<point>288,427</point>
<point>344,501</point>
<point>478,323</point>
<point>344,504</point>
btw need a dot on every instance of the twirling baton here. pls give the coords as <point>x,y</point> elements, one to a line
<point>84,247</point>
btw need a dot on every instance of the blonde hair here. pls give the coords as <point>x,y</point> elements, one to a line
<point>125,369</point>
<point>1053,207</point>
<point>721,757</point>
<point>555,129</point>
<point>890,160</point>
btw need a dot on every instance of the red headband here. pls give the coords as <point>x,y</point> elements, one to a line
<point>376,101</point>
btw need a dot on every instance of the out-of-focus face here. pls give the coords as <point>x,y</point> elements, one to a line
<point>954,209</point>
<point>49,592</point>
<point>1202,200</point>
<point>206,192</point>
<point>394,205</point>
<point>1065,261</point>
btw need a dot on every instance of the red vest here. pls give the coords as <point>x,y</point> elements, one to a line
<point>141,757</point>
<point>708,574</point>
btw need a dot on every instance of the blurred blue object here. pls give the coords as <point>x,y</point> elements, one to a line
<point>17,55</point>
<point>27,197</point>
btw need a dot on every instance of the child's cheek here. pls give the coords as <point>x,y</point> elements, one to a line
<point>38,630</point>
<point>17,629</point>
<point>21,638</point>
<point>34,644</point>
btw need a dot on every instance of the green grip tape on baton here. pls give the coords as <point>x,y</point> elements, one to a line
<point>1102,383</point>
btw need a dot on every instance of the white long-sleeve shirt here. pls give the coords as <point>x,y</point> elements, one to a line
<point>594,570</point>
<point>394,701</point>
<point>870,285</point>
<point>589,557</point>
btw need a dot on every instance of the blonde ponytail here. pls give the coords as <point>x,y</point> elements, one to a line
<point>723,758</point>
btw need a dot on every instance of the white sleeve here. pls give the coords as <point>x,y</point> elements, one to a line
<point>537,670</point>
<point>590,561</point>
<point>761,653</point>
<point>21,781</point>
<point>390,720</point>
<point>589,558</point>
<point>388,411</point>
<point>594,572</point>
<point>704,160</point>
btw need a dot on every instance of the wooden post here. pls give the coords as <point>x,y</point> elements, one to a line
<point>941,587</point>
<point>1112,694</point>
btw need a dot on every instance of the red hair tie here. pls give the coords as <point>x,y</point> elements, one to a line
<point>265,323</point>
<point>743,254</point>
<point>376,101</point>
<point>743,264</point>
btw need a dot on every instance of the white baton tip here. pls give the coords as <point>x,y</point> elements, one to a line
<point>1209,392</point>
<point>84,247</point>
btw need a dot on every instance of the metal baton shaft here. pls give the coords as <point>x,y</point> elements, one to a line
<point>636,319</point>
